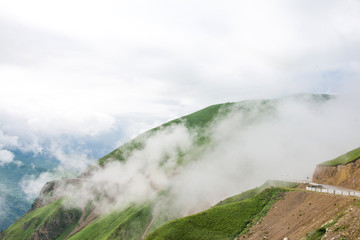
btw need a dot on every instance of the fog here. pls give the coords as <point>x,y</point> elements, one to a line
<point>246,149</point>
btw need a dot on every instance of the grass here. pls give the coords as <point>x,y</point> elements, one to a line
<point>27,225</point>
<point>57,221</point>
<point>343,159</point>
<point>220,222</point>
<point>253,192</point>
<point>127,224</point>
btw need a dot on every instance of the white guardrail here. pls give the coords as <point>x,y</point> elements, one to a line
<point>314,187</point>
<point>333,191</point>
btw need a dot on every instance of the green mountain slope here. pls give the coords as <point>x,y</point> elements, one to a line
<point>221,222</point>
<point>53,217</point>
<point>343,159</point>
<point>136,220</point>
<point>127,224</point>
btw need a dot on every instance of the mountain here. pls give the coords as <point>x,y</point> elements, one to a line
<point>105,203</point>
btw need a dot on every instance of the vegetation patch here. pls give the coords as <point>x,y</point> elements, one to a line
<point>253,192</point>
<point>344,159</point>
<point>320,232</point>
<point>27,225</point>
<point>221,222</point>
<point>127,224</point>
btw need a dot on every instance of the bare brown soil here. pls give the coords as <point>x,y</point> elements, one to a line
<point>347,176</point>
<point>300,212</point>
<point>347,227</point>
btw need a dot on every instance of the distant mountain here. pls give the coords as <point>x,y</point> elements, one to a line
<point>14,201</point>
<point>50,216</point>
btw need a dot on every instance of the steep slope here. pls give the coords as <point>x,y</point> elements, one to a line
<point>300,214</point>
<point>49,222</point>
<point>275,213</point>
<point>90,221</point>
<point>225,221</point>
<point>343,171</point>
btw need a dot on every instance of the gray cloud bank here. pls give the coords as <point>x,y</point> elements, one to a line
<point>71,83</point>
<point>82,76</point>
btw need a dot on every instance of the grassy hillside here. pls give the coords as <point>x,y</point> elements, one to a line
<point>221,222</point>
<point>51,220</point>
<point>126,224</point>
<point>253,192</point>
<point>343,159</point>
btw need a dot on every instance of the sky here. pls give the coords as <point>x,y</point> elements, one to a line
<point>79,78</point>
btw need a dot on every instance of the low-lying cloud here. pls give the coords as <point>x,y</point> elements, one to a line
<point>246,149</point>
<point>141,177</point>
<point>285,146</point>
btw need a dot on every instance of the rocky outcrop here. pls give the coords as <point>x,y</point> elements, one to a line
<point>346,176</point>
<point>47,194</point>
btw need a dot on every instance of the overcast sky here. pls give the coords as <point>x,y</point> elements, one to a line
<point>106,70</point>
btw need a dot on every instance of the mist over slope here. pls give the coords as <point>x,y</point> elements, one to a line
<point>239,146</point>
<point>191,163</point>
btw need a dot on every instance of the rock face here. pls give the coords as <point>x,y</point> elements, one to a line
<point>347,176</point>
<point>45,196</point>
<point>47,193</point>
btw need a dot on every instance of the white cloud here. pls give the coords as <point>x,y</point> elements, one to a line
<point>6,157</point>
<point>8,141</point>
<point>139,54</point>
<point>137,57</point>
<point>140,178</point>
<point>287,145</point>
<point>32,185</point>
<point>75,161</point>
